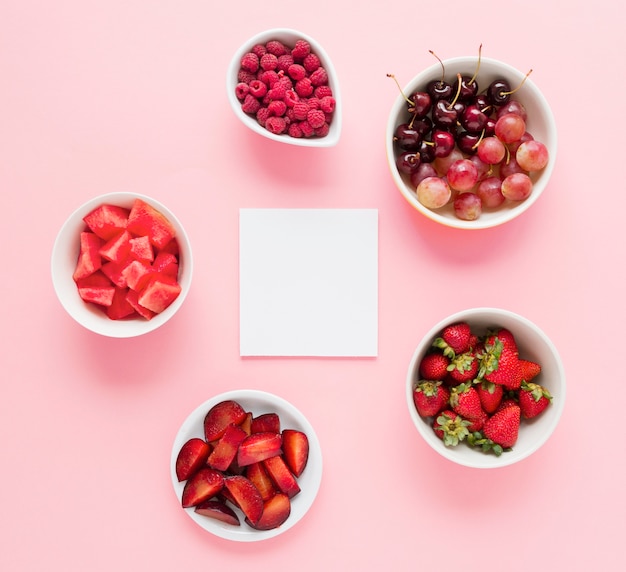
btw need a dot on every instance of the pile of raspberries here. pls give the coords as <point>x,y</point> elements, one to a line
<point>286,89</point>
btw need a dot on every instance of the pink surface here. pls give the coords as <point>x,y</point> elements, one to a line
<point>111,96</point>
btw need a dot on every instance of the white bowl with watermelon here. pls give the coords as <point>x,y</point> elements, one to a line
<point>122,264</point>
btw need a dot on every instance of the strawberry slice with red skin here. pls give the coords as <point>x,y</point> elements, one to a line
<point>117,249</point>
<point>107,220</point>
<point>145,220</point>
<point>220,416</point>
<point>202,485</point>
<point>261,480</point>
<point>246,496</point>
<point>219,510</point>
<point>257,447</point>
<point>276,511</point>
<point>191,457</point>
<point>266,423</point>
<point>225,450</point>
<point>89,259</point>
<point>295,450</point>
<point>283,478</point>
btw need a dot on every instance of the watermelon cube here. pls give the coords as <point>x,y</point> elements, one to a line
<point>98,278</point>
<point>107,220</point>
<point>141,249</point>
<point>159,294</point>
<point>166,263</point>
<point>120,307</point>
<point>118,248</point>
<point>137,274</point>
<point>132,297</point>
<point>145,220</point>
<point>101,295</point>
<point>115,273</point>
<point>89,259</point>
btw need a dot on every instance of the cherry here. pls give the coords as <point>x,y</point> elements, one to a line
<point>422,103</point>
<point>407,137</point>
<point>443,142</point>
<point>466,87</point>
<point>439,88</point>
<point>427,152</point>
<point>423,125</point>
<point>408,162</point>
<point>467,142</point>
<point>499,91</point>
<point>444,115</point>
<point>473,119</point>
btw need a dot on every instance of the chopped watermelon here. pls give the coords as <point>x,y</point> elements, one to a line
<point>106,221</point>
<point>128,262</point>
<point>89,259</point>
<point>145,220</point>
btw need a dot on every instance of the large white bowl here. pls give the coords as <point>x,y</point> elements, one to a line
<point>534,345</point>
<point>540,124</point>
<point>258,402</point>
<point>65,254</point>
<point>288,37</point>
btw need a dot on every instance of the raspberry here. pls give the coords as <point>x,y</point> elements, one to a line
<point>304,88</point>
<point>295,131</point>
<point>262,115</point>
<point>245,76</point>
<point>291,97</point>
<point>241,90</point>
<point>296,72</point>
<point>313,103</point>
<point>300,110</point>
<point>250,62</point>
<point>327,104</point>
<point>276,125</point>
<point>284,62</point>
<point>307,130</point>
<point>257,88</point>
<point>316,118</point>
<point>250,104</point>
<point>311,62</point>
<point>323,91</point>
<point>277,107</point>
<point>268,62</point>
<point>285,81</point>
<point>322,131</point>
<point>301,50</point>
<point>276,47</point>
<point>319,77</point>
<point>259,50</point>
<point>278,91</point>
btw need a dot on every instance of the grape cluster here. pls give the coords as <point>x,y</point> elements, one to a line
<point>466,146</point>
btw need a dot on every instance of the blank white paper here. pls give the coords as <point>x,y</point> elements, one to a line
<point>308,282</point>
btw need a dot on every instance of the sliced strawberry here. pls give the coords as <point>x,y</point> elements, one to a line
<point>159,294</point>
<point>218,510</point>
<point>101,295</point>
<point>258,447</point>
<point>266,423</point>
<point>107,220</point>
<point>295,450</point>
<point>246,496</point>
<point>226,448</point>
<point>145,220</point>
<point>120,308</point>
<point>261,480</point>
<point>202,485</point>
<point>89,259</point>
<point>282,477</point>
<point>117,248</point>
<point>220,416</point>
<point>276,511</point>
<point>192,455</point>
<point>141,249</point>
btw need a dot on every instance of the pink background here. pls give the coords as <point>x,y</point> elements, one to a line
<point>97,97</point>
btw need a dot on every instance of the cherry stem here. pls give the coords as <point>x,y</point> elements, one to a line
<point>443,69</point>
<point>458,90</point>
<point>393,77</point>
<point>520,85</point>
<point>480,49</point>
<point>475,145</point>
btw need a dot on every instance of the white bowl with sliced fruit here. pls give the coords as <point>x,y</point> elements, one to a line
<point>122,264</point>
<point>282,84</point>
<point>471,142</point>
<point>485,387</point>
<point>246,465</point>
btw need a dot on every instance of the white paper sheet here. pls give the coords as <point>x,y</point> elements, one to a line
<point>308,282</point>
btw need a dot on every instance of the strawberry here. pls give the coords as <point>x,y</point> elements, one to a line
<point>454,339</point>
<point>477,423</point>
<point>434,366</point>
<point>430,397</point>
<point>500,364</point>
<point>503,426</point>
<point>508,339</point>
<point>465,401</point>
<point>451,428</point>
<point>533,399</point>
<point>529,369</point>
<point>464,367</point>
<point>490,395</point>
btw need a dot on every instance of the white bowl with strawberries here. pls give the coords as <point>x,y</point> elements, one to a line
<point>282,84</point>
<point>246,465</point>
<point>122,264</point>
<point>485,388</point>
<point>471,142</point>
